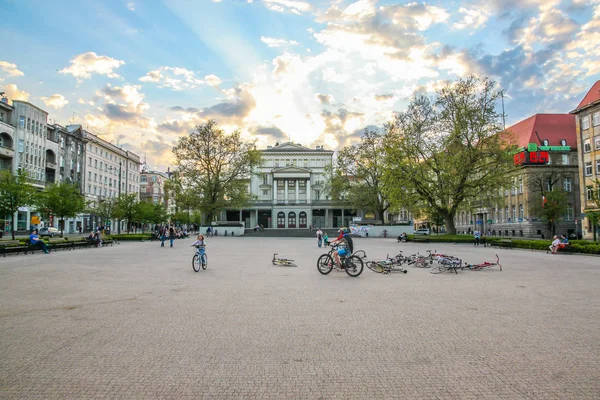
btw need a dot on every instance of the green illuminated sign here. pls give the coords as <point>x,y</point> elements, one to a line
<point>532,147</point>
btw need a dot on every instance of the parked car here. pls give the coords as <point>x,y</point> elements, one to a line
<point>49,232</point>
<point>422,232</point>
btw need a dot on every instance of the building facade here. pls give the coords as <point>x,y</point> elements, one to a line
<point>290,191</point>
<point>108,171</point>
<point>152,186</point>
<point>587,117</point>
<point>7,137</point>
<point>546,161</point>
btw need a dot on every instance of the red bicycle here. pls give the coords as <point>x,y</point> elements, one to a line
<point>485,264</point>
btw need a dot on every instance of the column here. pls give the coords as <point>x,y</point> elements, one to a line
<point>343,223</point>
<point>308,192</point>
<point>241,213</point>
<point>256,218</point>
<point>274,188</point>
<point>297,184</point>
<point>326,218</point>
<point>286,191</point>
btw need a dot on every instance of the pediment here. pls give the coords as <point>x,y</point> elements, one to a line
<point>291,168</point>
<point>290,147</point>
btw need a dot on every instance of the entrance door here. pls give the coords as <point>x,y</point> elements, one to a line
<point>263,218</point>
<point>302,220</point>
<point>281,219</point>
<point>292,219</point>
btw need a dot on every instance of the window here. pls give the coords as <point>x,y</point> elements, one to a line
<point>265,179</point>
<point>265,192</point>
<point>90,161</point>
<point>100,164</point>
<point>520,184</point>
<point>569,215</point>
<point>597,140</point>
<point>144,179</point>
<point>95,177</point>
<point>521,212</point>
<point>28,124</point>
<point>507,219</point>
<point>22,122</point>
<point>513,189</point>
<point>95,163</point>
<point>62,161</point>
<point>565,159</point>
<point>585,123</point>
<point>514,213</point>
<point>90,189</point>
<point>567,184</point>
<point>589,193</point>
<point>596,118</point>
<point>598,166</point>
<point>587,146</point>
<point>90,175</point>
<point>588,169</point>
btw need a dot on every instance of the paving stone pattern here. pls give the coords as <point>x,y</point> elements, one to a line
<point>134,321</point>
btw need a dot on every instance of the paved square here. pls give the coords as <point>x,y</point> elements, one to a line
<point>134,321</point>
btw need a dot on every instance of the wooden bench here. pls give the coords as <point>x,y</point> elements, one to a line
<point>13,246</point>
<point>59,243</point>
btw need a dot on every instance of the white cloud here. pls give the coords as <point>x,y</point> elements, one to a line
<point>273,42</point>
<point>174,78</point>
<point>84,65</point>
<point>131,6</point>
<point>296,7</point>
<point>12,92</point>
<point>55,101</point>
<point>212,80</point>
<point>472,19</point>
<point>10,69</point>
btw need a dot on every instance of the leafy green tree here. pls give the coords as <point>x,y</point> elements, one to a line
<point>356,178</point>
<point>447,152</point>
<point>126,209</point>
<point>106,210</point>
<point>63,200</point>
<point>217,166</point>
<point>15,192</point>
<point>594,216</point>
<point>553,209</point>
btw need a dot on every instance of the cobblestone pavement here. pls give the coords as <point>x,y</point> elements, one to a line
<point>134,321</point>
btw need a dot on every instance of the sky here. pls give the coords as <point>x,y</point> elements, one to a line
<point>144,73</point>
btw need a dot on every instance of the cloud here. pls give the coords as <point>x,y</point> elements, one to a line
<point>131,6</point>
<point>324,98</point>
<point>384,97</point>
<point>293,6</point>
<point>10,69</point>
<point>273,42</point>
<point>177,78</point>
<point>472,19</point>
<point>12,92</point>
<point>123,105</point>
<point>56,101</point>
<point>84,65</point>
<point>185,110</point>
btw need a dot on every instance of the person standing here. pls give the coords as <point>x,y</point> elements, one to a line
<point>171,235</point>
<point>319,237</point>
<point>477,237</point>
<point>162,232</point>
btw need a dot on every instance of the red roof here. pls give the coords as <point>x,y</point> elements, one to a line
<point>591,97</point>
<point>553,127</point>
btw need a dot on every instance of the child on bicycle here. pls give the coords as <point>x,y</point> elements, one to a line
<point>346,245</point>
<point>200,242</point>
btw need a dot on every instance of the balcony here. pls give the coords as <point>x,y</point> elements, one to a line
<point>6,152</point>
<point>51,165</point>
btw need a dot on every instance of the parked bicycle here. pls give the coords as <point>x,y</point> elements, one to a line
<point>283,262</point>
<point>200,258</point>
<point>390,264</point>
<point>446,263</point>
<point>353,265</point>
<point>485,264</point>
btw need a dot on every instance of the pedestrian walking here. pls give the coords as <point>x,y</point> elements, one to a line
<point>162,232</point>
<point>171,235</point>
<point>319,237</point>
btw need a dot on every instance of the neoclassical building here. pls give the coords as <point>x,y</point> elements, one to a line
<point>290,191</point>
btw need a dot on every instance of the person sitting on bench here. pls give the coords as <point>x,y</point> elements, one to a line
<point>35,241</point>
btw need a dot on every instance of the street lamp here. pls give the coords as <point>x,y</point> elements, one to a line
<point>119,222</point>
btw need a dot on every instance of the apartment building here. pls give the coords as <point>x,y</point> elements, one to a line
<point>546,161</point>
<point>108,171</point>
<point>7,137</point>
<point>587,117</point>
<point>152,186</point>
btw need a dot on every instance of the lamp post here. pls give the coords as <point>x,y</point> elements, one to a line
<point>119,222</point>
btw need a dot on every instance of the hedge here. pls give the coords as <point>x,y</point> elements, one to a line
<point>134,236</point>
<point>576,246</point>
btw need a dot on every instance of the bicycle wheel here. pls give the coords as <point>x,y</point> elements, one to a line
<point>354,266</point>
<point>205,261</point>
<point>375,267</point>
<point>421,263</point>
<point>361,254</point>
<point>289,263</point>
<point>437,269</point>
<point>196,263</point>
<point>325,264</point>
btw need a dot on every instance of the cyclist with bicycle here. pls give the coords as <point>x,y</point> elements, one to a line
<point>346,245</point>
<point>200,242</point>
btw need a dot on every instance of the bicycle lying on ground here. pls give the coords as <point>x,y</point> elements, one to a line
<point>485,264</point>
<point>353,265</point>
<point>200,258</point>
<point>283,262</point>
<point>446,263</point>
<point>390,264</point>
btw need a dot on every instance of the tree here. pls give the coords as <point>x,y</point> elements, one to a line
<point>15,192</point>
<point>217,167</point>
<point>63,200</point>
<point>594,216</point>
<point>106,209</point>
<point>186,199</point>
<point>357,176</point>
<point>449,151</point>
<point>126,208</point>
<point>553,209</point>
